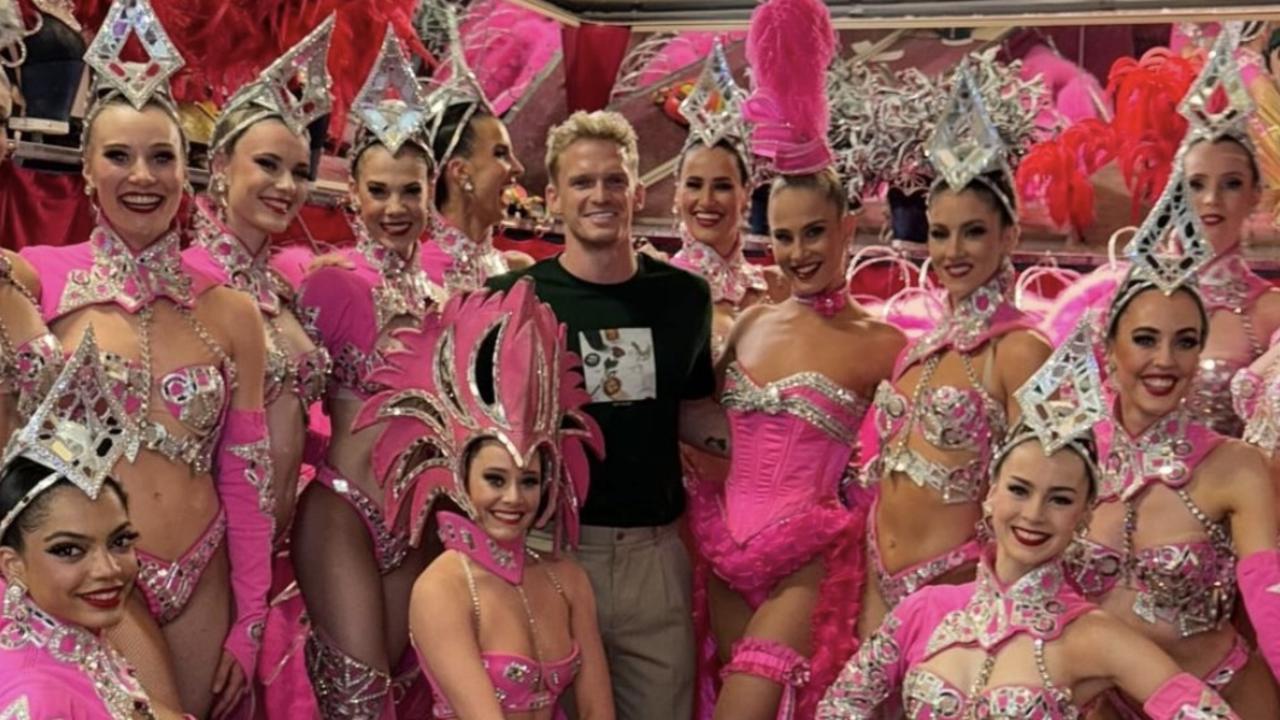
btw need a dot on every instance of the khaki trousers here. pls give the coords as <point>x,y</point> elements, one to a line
<point>643,586</point>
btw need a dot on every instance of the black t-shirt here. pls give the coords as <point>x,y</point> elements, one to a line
<point>645,346</point>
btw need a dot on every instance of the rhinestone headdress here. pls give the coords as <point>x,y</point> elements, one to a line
<point>966,145</point>
<point>499,369</point>
<point>1062,401</point>
<point>1170,247</point>
<point>137,82</point>
<point>714,108</point>
<point>390,109</point>
<point>80,430</point>
<point>1220,78</point>
<point>454,82</point>
<point>294,88</point>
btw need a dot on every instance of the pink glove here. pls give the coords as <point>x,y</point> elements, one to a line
<point>244,485</point>
<point>1259,578</point>
<point>1185,697</point>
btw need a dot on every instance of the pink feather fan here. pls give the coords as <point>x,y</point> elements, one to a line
<point>790,45</point>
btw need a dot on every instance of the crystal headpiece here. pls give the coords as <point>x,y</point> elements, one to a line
<point>965,144</point>
<point>137,82</point>
<point>454,82</point>
<point>1170,246</point>
<point>390,108</point>
<point>294,88</point>
<point>714,108</point>
<point>499,370</point>
<point>1222,73</point>
<point>80,430</point>
<point>1062,401</point>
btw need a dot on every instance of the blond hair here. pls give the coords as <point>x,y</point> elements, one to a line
<point>599,125</point>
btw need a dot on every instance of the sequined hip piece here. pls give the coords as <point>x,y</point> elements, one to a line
<point>390,546</point>
<point>168,586</point>
<point>895,587</point>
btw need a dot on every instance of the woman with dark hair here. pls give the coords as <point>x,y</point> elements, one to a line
<point>67,556</point>
<point>352,559</point>
<point>1021,642</point>
<point>950,399</point>
<point>502,631</point>
<point>1186,517</point>
<point>185,357</point>
<point>476,166</point>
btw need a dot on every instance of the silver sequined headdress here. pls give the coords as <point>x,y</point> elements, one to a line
<point>80,430</point>
<point>390,109</point>
<point>713,109</point>
<point>966,146</point>
<point>1169,248</point>
<point>294,89</point>
<point>454,84</point>
<point>1062,401</point>
<point>1220,78</point>
<point>138,83</point>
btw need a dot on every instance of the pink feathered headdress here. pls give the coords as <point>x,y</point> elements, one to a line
<point>790,45</point>
<point>489,366</point>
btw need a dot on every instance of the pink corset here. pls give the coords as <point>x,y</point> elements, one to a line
<point>519,682</point>
<point>31,370</point>
<point>930,697</point>
<point>1190,585</point>
<point>792,440</point>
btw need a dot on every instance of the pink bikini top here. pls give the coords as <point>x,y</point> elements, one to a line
<point>219,254</point>
<point>28,368</point>
<point>1190,585</point>
<point>949,418</point>
<point>521,683</point>
<point>792,441</point>
<point>105,271</point>
<point>345,310</point>
<point>983,615</point>
<point>456,263</point>
<point>731,278</point>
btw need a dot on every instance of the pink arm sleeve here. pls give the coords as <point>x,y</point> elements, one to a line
<point>244,486</point>
<point>1185,697</point>
<point>1259,578</point>
<point>871,678</point>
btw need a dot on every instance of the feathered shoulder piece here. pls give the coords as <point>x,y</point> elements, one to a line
<point>489,366</point>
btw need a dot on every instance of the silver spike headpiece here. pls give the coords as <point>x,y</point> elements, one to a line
<point>1169,248</point>
<point>1062,401</point>
<point>137,82</point>
<point>1220,72</point>
<point>294,88</point>
<point>458,84</point>
<point>80,430</point>
<point>390,108</point>
<point>965,144</point>
<point>714,108</point>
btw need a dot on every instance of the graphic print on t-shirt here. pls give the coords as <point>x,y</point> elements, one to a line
<point>618,364</point>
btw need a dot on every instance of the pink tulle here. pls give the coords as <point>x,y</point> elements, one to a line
<point>835,617</point>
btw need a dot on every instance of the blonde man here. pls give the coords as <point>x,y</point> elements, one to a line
<point>643,330</point>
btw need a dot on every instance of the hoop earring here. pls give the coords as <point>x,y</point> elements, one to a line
<point>15,606</point>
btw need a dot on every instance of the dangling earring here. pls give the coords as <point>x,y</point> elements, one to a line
<point>468,186</point>
<point>1082,531</point>
<point>15,606</point>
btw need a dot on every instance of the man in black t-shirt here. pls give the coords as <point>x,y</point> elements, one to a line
<point>643,330</point>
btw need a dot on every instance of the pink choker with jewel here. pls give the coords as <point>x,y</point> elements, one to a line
<point>826,303</point>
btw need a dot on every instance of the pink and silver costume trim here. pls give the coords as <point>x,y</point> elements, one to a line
<point>167,586</point>
<point>346,689</point>
<point>390,544</point>
<point>731,278</point>
<point>455,262</point>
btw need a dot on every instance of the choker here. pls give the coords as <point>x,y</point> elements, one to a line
<point>128,279</point>
<point>826,303</point>
<point>472,262</point>
<point>730,278</point>
<point>504,559</point>
<point>403,288</point>
<point>237,267</point>
<point>1167,452</point>
<point>970,322</point>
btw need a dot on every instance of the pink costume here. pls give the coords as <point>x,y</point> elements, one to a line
<point>49,669</point>
<point>454,261</point>
<point>731,278</point>
<point>488,367</point>
<point>216,438</point>
<point>949,418</point>
<point>893,665</point>
<point>1190,585</point>
<point>28,368</point>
